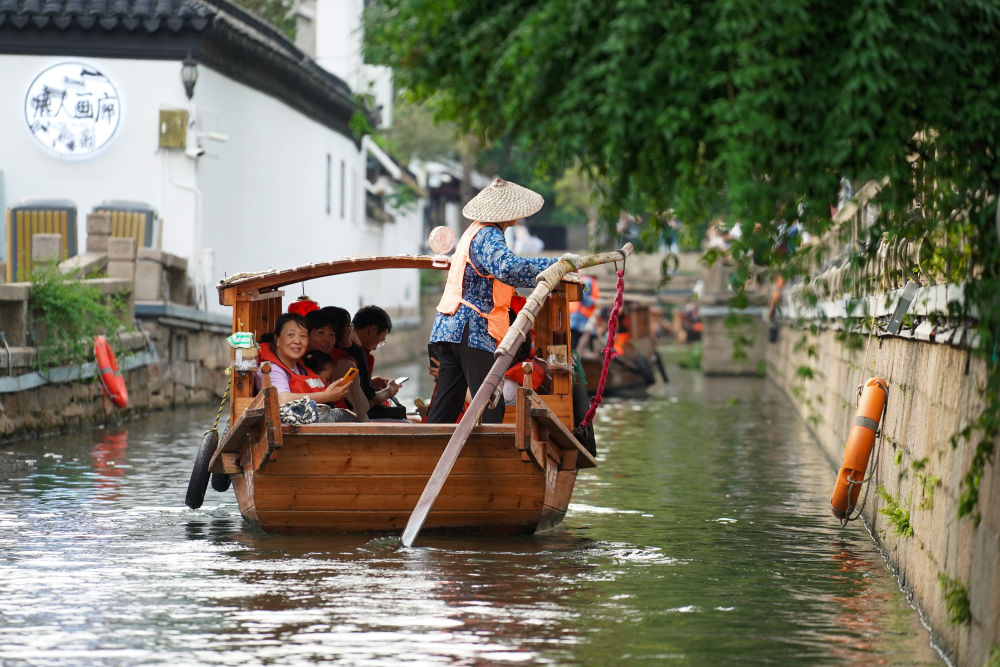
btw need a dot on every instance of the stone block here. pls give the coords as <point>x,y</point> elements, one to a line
<point>15,291</point>
<point>149,283</point>
<point>14,315</point>
<point>97,243</point>
<point>150,254</point>
<point>14,311</point>
<point>121,249</point>
<point>121,269</point>
<point>85,264</point>
<point>99,224</point>
<point>46,247</point>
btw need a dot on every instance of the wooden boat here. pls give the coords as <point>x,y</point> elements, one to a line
<point>630,373</point>
<point>514,477</point>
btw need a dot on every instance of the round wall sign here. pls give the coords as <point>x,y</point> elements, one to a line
<point>72,109</point>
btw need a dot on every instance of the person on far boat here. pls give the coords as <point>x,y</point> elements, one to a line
<point>289,376</point>
<point>472,314</point>
<point>581,311</point>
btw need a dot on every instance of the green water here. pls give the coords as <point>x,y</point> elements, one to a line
<point>703,538</point>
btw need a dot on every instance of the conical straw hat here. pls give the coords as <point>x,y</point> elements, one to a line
<point>502,201</point>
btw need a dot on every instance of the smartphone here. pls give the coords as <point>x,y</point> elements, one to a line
<point>432,352</point>
<point>401,380</point>
<point>351,373</point>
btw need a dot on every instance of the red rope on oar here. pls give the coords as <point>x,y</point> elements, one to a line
<point>609,349</point>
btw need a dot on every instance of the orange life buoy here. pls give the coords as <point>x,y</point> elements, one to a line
<point>859,447</point>
<point>107,368</point>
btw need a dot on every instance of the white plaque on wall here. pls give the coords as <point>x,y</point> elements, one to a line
<point>72,109</point>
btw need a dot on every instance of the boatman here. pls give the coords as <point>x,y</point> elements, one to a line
<point>472,314</point>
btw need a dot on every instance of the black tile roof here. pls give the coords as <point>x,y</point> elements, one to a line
<point>146,15</point>
<point>219,33</point>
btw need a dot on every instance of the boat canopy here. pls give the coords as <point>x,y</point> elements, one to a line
<point>273,279</point>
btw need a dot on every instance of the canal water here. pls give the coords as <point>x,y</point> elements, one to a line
<point>703,538</point>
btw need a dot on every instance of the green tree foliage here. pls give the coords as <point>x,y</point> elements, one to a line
<point>415,134</point>
<point>748,108</point>
<point>276,12</point>
<point>679,104</point>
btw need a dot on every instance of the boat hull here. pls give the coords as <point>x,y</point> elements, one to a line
<point>510,478</point>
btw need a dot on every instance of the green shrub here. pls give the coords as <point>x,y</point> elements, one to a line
<point>68,312</point>
<point>956,599</point>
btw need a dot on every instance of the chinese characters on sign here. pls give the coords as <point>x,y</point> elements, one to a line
<point>72,109</point>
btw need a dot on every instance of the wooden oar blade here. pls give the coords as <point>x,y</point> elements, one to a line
<point>453,449</point>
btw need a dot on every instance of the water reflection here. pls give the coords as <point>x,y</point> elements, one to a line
<point>703,537</point>
<point>109,455</point>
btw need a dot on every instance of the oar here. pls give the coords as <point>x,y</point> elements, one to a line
<point>546,282</point>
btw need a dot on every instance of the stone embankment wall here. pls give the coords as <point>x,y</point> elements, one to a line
<point>826,348</point>
<point>175,357</point>
<point>165,364</point>
<point>840,328</point>
<point>946,561</point>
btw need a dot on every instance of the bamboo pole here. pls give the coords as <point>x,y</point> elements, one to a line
<point>546,282</point>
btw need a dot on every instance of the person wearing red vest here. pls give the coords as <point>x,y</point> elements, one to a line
<point>289,376</point>
<point>472,314</point>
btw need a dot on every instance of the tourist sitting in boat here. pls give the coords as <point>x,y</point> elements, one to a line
<point>330,334</point>
<point>472,313</point>
<point>323,365</point>
<point>289,376</point>
<point>514,377</point>
<point>371,326</point>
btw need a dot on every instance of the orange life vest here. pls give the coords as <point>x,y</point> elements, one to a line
<point>594,294</point>
<point>517,375</point>
<point>620,341</point>
<point>497,319</point>
<point>297,382</point>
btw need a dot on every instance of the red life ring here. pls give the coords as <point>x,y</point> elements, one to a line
<point>859,447</point>
<point>107,367</point>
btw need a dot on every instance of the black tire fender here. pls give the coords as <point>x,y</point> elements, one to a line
<point>199,472</point>
<point>221,482</point>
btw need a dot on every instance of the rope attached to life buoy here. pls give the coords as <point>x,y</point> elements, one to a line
<point>609,348</point>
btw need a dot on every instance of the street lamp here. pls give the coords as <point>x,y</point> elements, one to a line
<point>189,74</point>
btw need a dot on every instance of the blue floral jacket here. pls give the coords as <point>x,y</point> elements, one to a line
<point>490,255</point>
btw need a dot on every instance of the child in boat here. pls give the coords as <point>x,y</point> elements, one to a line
<point>330,335</point>
<point>321,364</point>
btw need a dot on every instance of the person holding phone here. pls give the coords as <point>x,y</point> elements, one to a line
<point>289,376</point>
<point>472,314</point>
<point>371,325</point>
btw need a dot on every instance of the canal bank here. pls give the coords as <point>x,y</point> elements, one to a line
<point>175,357</point>
<point>951,564</point>
<point>883,308</point>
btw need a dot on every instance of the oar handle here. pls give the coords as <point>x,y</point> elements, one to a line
<point>546,282</point>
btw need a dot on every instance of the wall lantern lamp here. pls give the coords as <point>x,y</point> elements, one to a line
<point>189,74</point>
